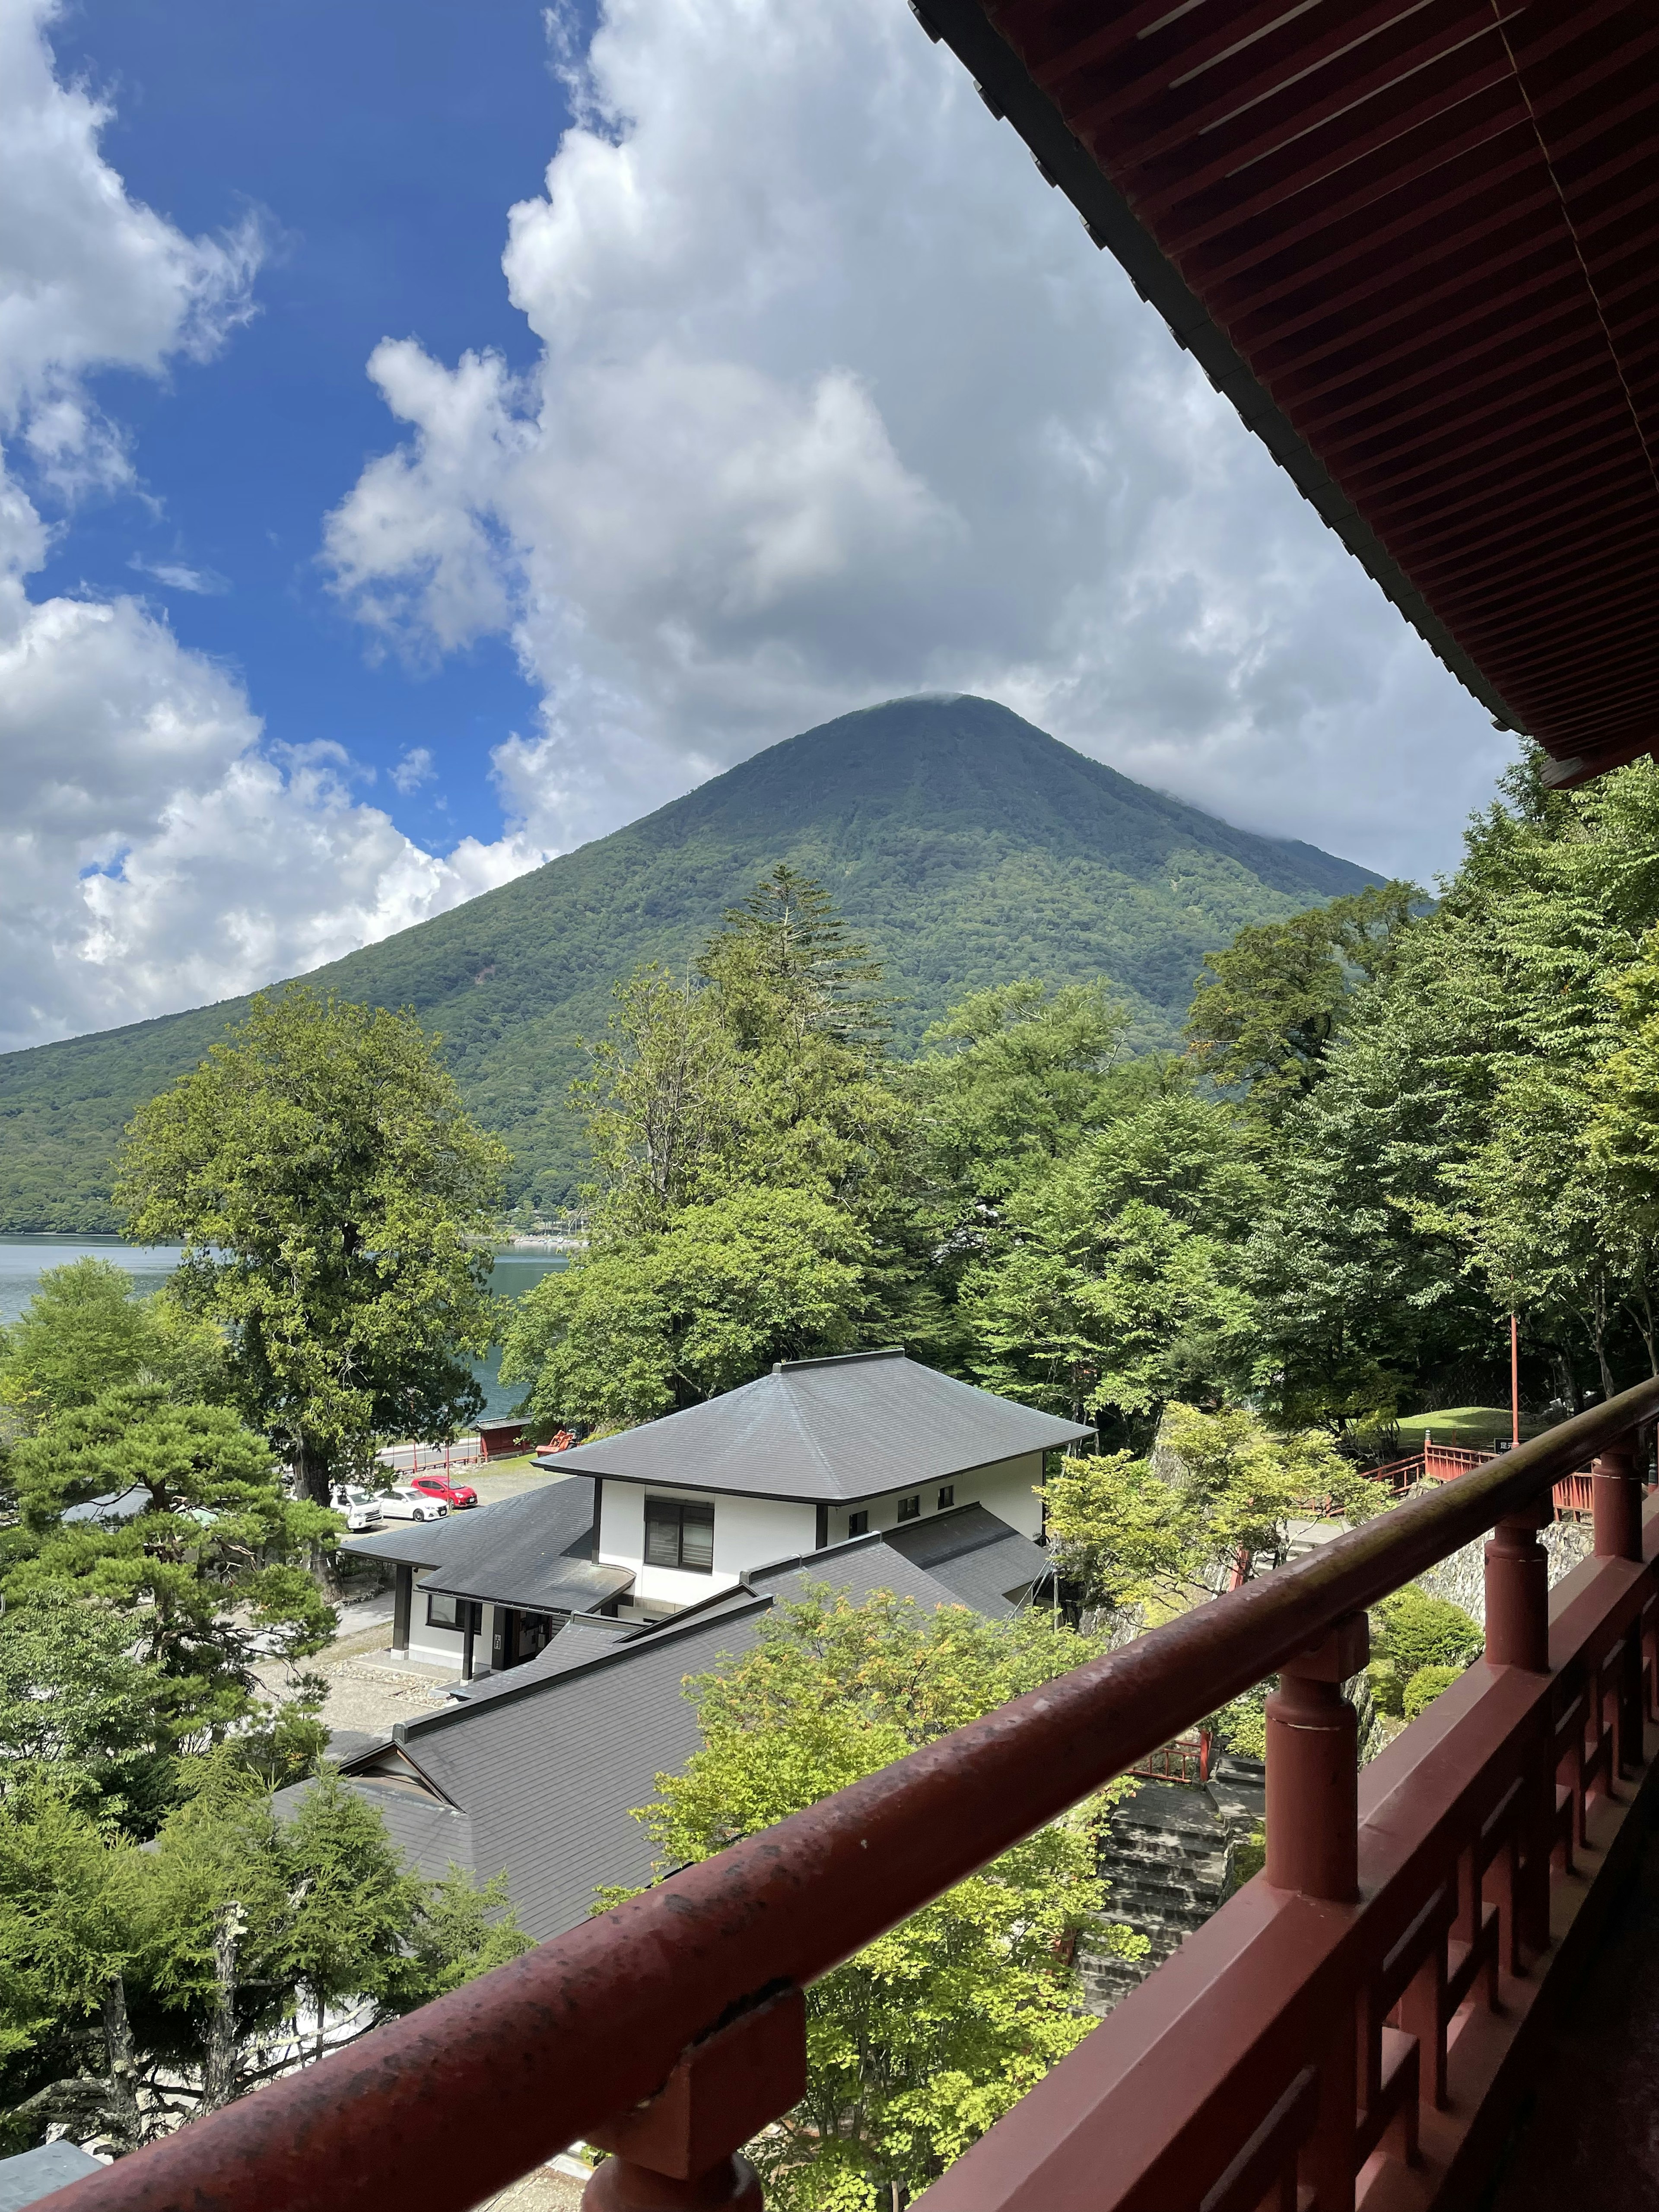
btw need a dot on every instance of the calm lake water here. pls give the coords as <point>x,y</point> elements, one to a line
<point>24,1260</point>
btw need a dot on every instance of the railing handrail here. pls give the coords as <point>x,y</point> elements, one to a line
<point>590,2024</point>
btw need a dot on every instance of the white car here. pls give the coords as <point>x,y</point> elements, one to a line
<point>361,1508</point>
<point>406,1504</point>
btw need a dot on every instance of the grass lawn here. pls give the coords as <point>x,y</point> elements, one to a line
<point>1468,1428</point>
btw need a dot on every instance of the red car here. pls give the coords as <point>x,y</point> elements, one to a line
<point>457,1496</point>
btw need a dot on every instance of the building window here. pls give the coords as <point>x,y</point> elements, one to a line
<point>947,1495</point>
<point>909,1508</point>
<point>858,1524</point>
<point>679,1533</point>
<point>457,1612</point>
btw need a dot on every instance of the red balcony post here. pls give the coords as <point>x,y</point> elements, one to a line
<point>1616,1491</point>
<point>1616,1502</point>
<point>1313,1845</point>
<point>1517,1594</point>
<point>1312,1815</point>
<point>678,2152</point>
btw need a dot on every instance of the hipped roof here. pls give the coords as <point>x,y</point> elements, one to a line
<point>828,1431</point>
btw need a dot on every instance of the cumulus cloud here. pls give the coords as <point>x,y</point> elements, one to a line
<point>152,854</point>
<point>834,400</point>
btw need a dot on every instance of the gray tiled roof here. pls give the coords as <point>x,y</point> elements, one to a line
<point>33,2174</point>
<point>828,1430</point>
<point>549,1772</point>
<point>966,1556</point>
<point>583,1636</point>
<point>546,1762</point>
<point>554,1521</point>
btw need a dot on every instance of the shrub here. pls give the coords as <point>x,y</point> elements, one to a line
<point>1419,1631</point>
<point>1425,1686</point>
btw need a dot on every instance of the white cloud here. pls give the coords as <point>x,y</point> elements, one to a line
<point>413,769</point>
<point>151,854</point>
<point>835,401</point>
<point>179,576</point>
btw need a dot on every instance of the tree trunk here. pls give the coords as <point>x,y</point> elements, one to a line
<point>314,1471</point>
<point>220,2068</point>
<point>125,2125</point>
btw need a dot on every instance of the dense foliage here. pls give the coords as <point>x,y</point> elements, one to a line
<point>963,843</point>
<point>328,1186</point>
<point>1396,1123</point>
<point>166,1942</point>
<point>139,1988</point>
<point>928,2035</point>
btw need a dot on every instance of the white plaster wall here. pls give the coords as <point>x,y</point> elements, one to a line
<point>435,1647</point>
<point>753,1532</point>
<point>749,1532</point>
<point>1008,1489</point>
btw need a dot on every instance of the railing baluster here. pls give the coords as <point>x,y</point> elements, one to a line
<point>1518,1634</point>
<point>1517,1594</point>
<point>1313,1845</point>
<point>678,2152</point>
<point>1313,1734</point>
<point>1616,1503</point>
<point>1617,1488</point>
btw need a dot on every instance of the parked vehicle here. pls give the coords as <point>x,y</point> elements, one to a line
<point>408,1503</point>
<point>361,1508</point>
<point>458,1495</point>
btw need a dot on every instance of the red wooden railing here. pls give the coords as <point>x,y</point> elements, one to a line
<point>1354,2017</point>
<point>1445,1463</point>
<point>1186,1759</point>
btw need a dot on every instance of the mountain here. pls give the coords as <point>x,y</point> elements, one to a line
<point>969,847</point>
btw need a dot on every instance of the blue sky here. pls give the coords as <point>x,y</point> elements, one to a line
<point>380,145</point>
<point>432,436</point>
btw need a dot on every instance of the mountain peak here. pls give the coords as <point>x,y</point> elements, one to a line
<point>968,845</point>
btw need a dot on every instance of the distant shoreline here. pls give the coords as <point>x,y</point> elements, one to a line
<point>525,1241</point>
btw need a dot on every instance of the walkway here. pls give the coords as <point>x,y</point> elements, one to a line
<point>1590,2140</point>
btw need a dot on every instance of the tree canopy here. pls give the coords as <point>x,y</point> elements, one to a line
<point>328,1188</point>
<point>919,2044</point>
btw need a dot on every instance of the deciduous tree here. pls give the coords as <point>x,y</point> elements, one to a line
<point>919,2044</point>
<point>329,1190</point>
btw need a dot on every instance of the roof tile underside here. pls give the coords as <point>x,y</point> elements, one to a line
<point>1429,227</point>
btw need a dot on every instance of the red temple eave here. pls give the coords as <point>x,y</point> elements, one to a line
<point>1415,246</point>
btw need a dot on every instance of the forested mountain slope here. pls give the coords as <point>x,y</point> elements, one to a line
<point>969,847</point>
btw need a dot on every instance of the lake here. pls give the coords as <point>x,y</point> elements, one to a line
<point>23,1259</point>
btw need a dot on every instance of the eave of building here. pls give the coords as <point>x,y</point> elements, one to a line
<point>666,1483</point>
<point>1150,117</point>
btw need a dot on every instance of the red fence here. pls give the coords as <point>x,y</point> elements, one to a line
<point>1361,2008</point>
<point>1445,1463</point>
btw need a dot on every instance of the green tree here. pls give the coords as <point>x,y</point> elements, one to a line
<point>1271,1003</point>
<point>202,1562</point>
<point>85,1330</point>
<point>1415,1635</point>
<point>79,1706</point>
<point>1113,1283</point>
<point>785,962</point>
<point>1012,1078</point>
<point>648,1326</point>
<point>753,1187</point>
<point>327,1186</point>
<point>919,2044</point>
<point>1157,1536</point>
<point>144,1987</point>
